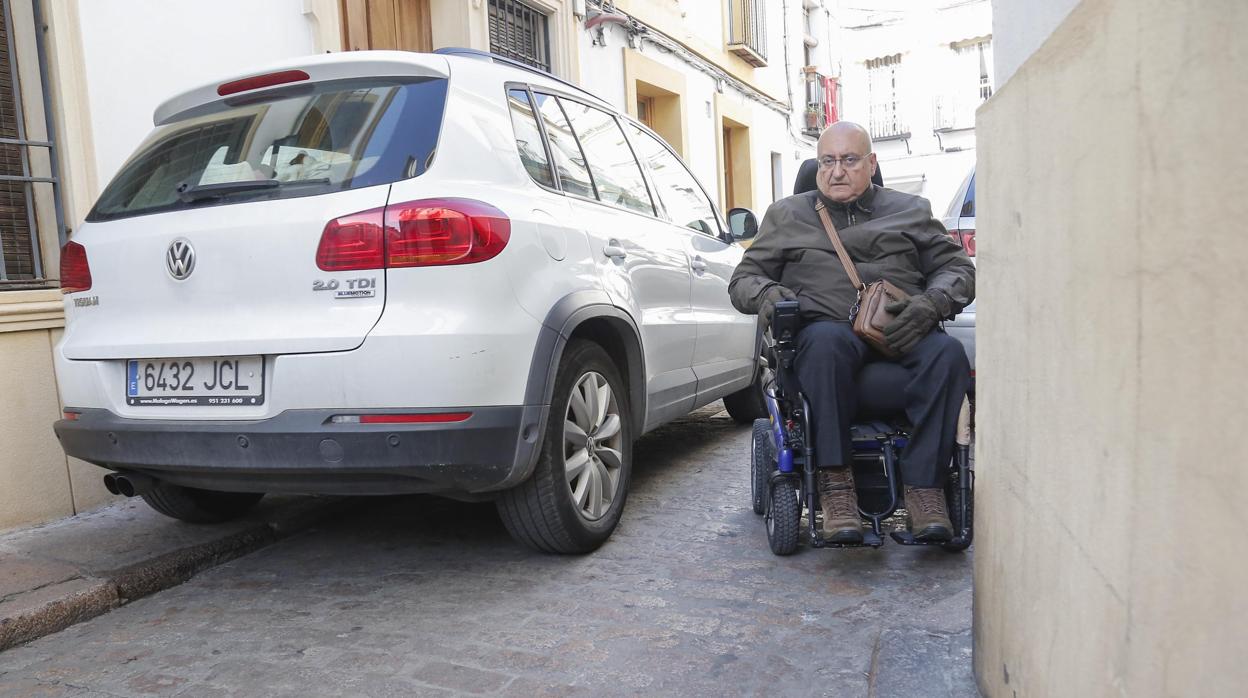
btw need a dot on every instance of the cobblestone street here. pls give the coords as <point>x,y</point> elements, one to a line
<point>422,596</point>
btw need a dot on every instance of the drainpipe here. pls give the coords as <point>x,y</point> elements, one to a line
<point>41,49</point>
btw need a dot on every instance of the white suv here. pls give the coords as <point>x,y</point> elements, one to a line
<point>389,272</point>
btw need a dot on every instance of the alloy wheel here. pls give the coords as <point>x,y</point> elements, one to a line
<point>592,441</point>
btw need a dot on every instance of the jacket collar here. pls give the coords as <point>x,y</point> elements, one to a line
<point>863,204</point>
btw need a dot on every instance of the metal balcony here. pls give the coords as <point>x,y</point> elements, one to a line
<point>747,20</point>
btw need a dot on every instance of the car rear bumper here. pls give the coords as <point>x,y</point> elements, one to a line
<point>303,451</point>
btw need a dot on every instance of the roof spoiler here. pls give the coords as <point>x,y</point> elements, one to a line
<point>318,68</point>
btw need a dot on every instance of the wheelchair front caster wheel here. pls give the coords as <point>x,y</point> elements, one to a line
<point>762,464</point>
<point>784,517</point>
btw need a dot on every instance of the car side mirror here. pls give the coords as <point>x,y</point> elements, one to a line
<point>742,223</point>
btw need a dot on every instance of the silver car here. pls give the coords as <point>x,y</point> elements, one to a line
<point>959,220</point>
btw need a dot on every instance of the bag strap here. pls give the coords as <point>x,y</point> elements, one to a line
<point>841,254</point>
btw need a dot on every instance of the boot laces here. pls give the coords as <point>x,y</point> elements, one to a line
<point>836,492</point>
<point>928,500</point>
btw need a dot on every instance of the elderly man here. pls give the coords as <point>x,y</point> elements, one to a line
<point>889,235</point>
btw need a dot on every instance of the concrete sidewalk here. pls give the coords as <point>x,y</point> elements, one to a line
<point>68,571</point>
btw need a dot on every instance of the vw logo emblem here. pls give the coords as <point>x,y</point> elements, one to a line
<point>180,259</point>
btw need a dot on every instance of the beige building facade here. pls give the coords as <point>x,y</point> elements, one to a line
<point>1110,358</point>
<point>709,75</point>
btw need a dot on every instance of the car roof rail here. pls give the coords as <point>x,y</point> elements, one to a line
<point>487,56</point>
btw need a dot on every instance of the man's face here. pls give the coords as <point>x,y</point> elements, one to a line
<point>839,182</point>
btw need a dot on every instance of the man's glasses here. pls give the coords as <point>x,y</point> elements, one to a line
<point>849,162</point>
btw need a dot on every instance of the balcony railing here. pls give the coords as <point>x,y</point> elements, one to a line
<point>747,21</point>
<point>956,110</point>
<point>885,123</point>
<point>817,102</point>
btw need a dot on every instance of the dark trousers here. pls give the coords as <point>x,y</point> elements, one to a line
<point>829,356</point>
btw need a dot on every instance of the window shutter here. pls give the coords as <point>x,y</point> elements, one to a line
<point>15,205</point>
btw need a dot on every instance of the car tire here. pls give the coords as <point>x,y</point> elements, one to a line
<point>762,464</point>
<point>576,494</point>
<point>747,404</point>
<point>199,506</point>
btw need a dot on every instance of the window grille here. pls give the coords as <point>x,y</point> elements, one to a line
<point>971,84</point>
<point>882,82</point>
<point>520,32</point>
<point>20,262</point>
<point>747,20</point>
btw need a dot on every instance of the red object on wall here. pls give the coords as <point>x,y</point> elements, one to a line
<point>829,101</point>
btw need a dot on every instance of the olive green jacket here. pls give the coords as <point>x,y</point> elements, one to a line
<point>890,235</point>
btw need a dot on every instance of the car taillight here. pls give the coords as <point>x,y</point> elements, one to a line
<point>424,233</point>
<point>75,271</point>
<point>353,242</point>
<point>967,237</point>
<point>433,232</point>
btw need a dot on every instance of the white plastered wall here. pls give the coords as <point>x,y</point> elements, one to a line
<point>1110,358</point>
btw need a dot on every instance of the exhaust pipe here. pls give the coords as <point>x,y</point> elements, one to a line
<point>128,484</point>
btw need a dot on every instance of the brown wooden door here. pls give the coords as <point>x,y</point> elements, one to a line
<point>402,25</point>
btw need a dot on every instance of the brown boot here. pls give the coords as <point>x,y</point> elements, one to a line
<point>839,501</point>
<point>928,516</point>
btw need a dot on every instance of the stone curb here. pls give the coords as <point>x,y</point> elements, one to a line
<point>32,614</point>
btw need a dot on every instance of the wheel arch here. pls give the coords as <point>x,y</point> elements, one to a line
<point>589,315</point>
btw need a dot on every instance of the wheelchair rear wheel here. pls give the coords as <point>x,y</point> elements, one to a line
<point>961,521</point>
<point>762,464</point>
<point>784,517</point>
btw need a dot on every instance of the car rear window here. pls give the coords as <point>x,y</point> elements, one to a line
<point>294,141</point>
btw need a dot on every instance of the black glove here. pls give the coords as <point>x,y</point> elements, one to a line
<point>767,302</point>
<point>916,316</point>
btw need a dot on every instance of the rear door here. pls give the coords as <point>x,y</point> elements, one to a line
<point>206,242</point>
<point>643,266</point>
<point>724,346</point>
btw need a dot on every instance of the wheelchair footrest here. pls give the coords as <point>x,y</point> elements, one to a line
<point>907,538</point>
<point>869,540</point>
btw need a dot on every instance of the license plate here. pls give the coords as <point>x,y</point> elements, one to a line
<point>212,380</point>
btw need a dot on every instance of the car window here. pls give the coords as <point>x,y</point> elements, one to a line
<point>679,192</point>
<point>617,176</point>
<point>968,208</point>
<point>529,138</point>
<point>569,162</point>
<point>293,142</point>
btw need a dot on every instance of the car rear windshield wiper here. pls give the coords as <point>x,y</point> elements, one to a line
<point>190,194</point>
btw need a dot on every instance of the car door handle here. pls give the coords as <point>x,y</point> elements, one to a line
<point>613,250</point>
<point>698,264</point>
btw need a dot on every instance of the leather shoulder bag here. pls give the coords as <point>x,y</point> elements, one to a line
<point>868,316</point>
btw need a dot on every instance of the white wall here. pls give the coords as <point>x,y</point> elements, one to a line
<point>1019,27</point>
<point>602,72</point>
<point>921,31</point>
<point>140,52</point>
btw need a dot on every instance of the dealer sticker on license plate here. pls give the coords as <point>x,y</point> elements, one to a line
<point>213,380</point>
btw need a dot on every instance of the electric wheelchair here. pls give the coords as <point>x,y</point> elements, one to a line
<point>783,472</point>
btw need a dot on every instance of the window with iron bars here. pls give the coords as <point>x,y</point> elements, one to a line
<point>21,171</point>
<point>520,32</point>
<point>970,85</point>
<point>747,22</point>
<point>882,83</point>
